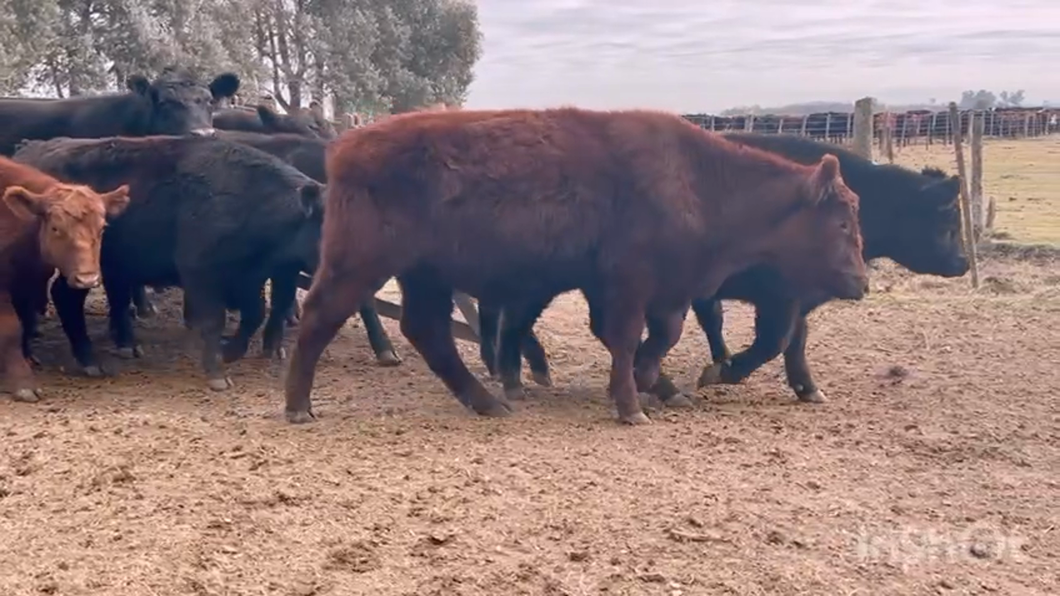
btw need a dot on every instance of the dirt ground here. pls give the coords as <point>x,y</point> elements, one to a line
<point>932,468</point>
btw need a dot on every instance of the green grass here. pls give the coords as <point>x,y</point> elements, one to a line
<point>1022,175</point>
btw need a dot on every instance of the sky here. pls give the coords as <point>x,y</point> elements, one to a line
<point>690,56</point>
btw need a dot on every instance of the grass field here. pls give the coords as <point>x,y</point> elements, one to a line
<point>931,468</point>
<point>1023,175</point>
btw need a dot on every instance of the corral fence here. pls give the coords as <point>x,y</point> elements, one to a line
<point>904,128</point>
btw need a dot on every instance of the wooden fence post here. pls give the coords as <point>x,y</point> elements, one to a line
<point>975,141</point>
<point>888,136</point>
<point>863,127</point>
<point>966,215</point>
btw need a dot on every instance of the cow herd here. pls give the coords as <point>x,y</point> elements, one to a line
<point>644,213</point>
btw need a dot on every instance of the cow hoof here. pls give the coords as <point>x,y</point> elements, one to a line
<point>130,353</point>
<point>94,371</point>
<point>292,320</point>
<point>711,375</point>
<point>300,417</point>
<point>388,358</point>
<point>635,419</point>
<point>149,310</point>
<point>517,393</point>
<point>541,378</point>
<point>279,353</point>
<point>814,397</point>
<point>232,350</point>
<point>29,396</point>
<point>220,384</point>
<point>494,408</point>
<point>32,361</point>
<point>678,400</point>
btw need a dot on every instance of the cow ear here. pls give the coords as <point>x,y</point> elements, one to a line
<point>225,85</point>
<point>138,84</point>
<point>824,177</point>
<point>267,116</point>
<point>312,197</point>
<point>115,201</point>
<point>24,203</point>
<point>943,194</point>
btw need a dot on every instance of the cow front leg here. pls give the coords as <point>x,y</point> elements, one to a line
<point>18,375</point>
<point>774,323</point>
<point>70,308</point>
<point>426,320</point>
<point>796,367</point>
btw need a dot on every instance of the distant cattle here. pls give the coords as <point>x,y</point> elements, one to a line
<point>640,210</point>
<point>214,217</point>
<point>174,104</point>
<point>44,225</point>
<point>262,119</point>
<point>912,218</point>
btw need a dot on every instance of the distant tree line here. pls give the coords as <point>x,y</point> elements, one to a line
<point>364,55</point>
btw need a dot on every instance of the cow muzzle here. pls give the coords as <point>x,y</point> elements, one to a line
<point>84,281</point>
<point>853,287</point>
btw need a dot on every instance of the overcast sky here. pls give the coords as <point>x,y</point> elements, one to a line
<point>706,56</point>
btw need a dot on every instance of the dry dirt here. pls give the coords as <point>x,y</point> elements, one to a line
<point>932,469</point>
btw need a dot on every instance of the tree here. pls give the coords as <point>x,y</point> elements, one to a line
<point>1011,98</point>
<point>977,100</point>
<point>391,55</point>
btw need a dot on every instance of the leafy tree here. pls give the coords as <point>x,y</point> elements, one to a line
<point>377,55</point>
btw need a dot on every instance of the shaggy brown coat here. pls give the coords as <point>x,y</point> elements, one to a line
<point>44,225</point>
<point>640,210</point>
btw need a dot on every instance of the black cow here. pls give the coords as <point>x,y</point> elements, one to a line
<point>912,218</point>
<point>214,217</point>
<point>174,104</point>
<point>307,155</point>
<point>305,122</point>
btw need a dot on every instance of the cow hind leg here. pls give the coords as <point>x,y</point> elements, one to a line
<point>209,310</point>
<point>426,311</point>
<point>19,376</point>
<point>331,300</point>
<point>385,355</point>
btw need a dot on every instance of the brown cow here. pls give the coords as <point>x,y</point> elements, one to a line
<point>640,210</point>
<point>44,224</point>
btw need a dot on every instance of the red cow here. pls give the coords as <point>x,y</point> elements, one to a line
<point>44,225</point>
<point>640,210</point>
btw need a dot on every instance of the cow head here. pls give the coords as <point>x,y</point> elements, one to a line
<point>306,243</point>
<point>179,103</point>
<point>824,253</point>
<point>924,227</point>
<point>305,122</point>
<point>71,219</point>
